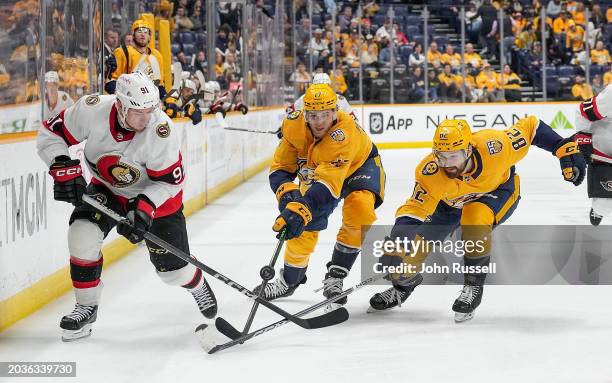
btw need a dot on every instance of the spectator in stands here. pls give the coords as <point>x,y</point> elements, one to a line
<point>434,56</point>
<point>607,79</point>
<point>600,54</point>
<point>561,24</point>
<point>487,81</point>
<point>325,61</point>
<point>301,78</point>
<point>511,83</point>
<point>384,31</point>
<point>182,22</point>
<point>219,60</point>
<point>181,59</point>
<point>197,17</point>
<point>417,91</point>
<point>472,57</point>
<point>581,91</point>
<point>317,44</point>
<point>433,86</point>
<point>448,85</point>
<point>302,32</point>
<point>535,56</point>
<point>488,14</point>
<point>399,37</point>
<point>200,63</point>
<point>344,19</point>
<point>338,82</point>
<point>575,37</point>
<point>518,23</point>
<point>369,57</point>
<point>384,58</point>
<point>597,84</point>
<point>526,38</point>
<point>352,57</point>
<point>451,57</point>
<point>597,16</point>
<point>554,8</point>
<point>116,16</point>
<point>230,63</point>
<point>571,6</point>
<point>221,40</point>
<point>578,15</point>
<point>417,58</point>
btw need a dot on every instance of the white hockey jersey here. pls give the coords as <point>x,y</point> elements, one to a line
<point>128,163</point>
<point>63,101</point>
<point>342,103</point>
<point>595,116</point>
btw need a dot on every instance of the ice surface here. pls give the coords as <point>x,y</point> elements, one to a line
<point>144,331</point>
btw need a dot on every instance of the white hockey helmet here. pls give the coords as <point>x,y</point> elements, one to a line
<point>209,92</point>
<point>51,76</point>
<point>189,84</point>
<point>321,78</point>
<point>135,91</point>
<point>215,86</point>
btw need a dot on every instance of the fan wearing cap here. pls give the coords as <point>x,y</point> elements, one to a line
<point>133,152</point>
<point>55,100</point>
<point>138,57</point>
<point>468,179</point>
<point>323,78</point>
<point>333,159</point>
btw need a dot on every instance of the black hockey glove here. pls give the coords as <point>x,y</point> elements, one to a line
<point>138,219</point>
<point>68,182</point>
<point>287,192</point>
<point>573,165</point>
<point>294,217</point>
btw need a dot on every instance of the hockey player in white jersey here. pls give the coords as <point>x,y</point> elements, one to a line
<point>55,100</point>
<point>594,137</point>
<point>133,153</point>
<point>322,78</point>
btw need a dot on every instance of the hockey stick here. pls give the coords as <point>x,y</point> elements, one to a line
<point>309,323</point>
<point>229,331</point>
<point>266,273</point>
<point>221,121</point>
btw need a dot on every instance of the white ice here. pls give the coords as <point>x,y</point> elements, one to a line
<point>144,331</point>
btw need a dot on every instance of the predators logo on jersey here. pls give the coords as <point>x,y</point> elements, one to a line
<point>430,168</point>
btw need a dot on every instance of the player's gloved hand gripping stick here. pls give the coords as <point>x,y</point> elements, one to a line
<point>329,319</point>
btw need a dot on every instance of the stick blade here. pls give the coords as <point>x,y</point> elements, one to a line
<point>328,319</point>
<point>225,328</point>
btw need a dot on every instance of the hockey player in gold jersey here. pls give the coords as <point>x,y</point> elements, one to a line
<point>468,180</point>
<point>334,159</point>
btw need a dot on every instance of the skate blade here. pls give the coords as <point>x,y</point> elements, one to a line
<point>372,310</point>
<point>463,317</point>
<point>72,335</point>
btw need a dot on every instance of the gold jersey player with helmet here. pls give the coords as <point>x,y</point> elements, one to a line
<point>469,179</point>
<point>334,159</point>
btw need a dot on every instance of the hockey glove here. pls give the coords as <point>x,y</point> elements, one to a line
<point>294,217</point>
<point>585,144</point>
<point>68,182</point>
<point>111,65</point>
<point>171,108</point>
<point>573,165</point>
<point>193,112</point>
<point>138,219</point>
<point>287,192</point>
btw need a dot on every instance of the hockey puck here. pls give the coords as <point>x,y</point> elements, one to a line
<point>266,273</point>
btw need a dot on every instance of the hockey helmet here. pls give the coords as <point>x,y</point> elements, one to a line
<point>452,135</point>
<point>135,91</point>
<point>51,76</point>
<point>320,97</point>
<point>139,23</point>
<point>321,78</point>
